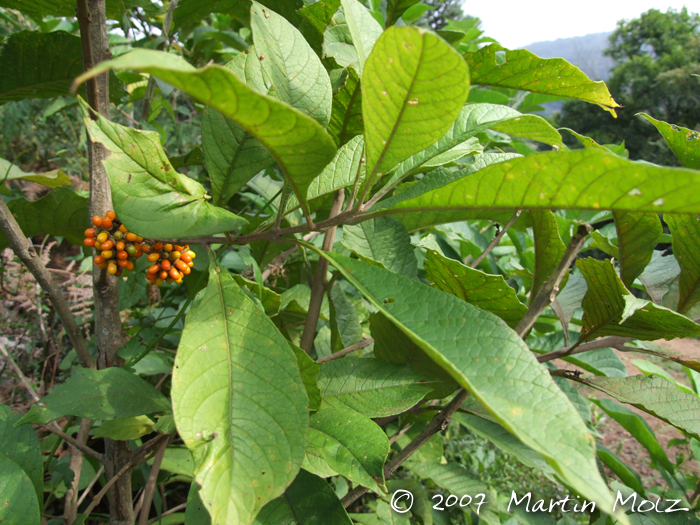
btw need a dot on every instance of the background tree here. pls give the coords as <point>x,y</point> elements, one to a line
<point>441,13</point>
<point>656,57</point>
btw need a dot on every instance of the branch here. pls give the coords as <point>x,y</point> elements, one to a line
<point>345,351</point>
<point>151,483</point>
<point>277,261</point>
<point>76,464</point>
<point>497,239</point>
<point>319,284</point>
<point>548,291</point>
<point>27,254</point>
<point>438,423</point>
<point>73,442</point>
<point>90,485</point>
<point>605,342</point>
<point>168,513</point>
<point>23,379</point>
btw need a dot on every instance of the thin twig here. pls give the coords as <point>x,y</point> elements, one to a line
<point>150,487</point>
<point>605,342</point>
<point>27,254</point>
<point>90,485</point>
<point>548,291</point>
<point>438,423</point>
<point>71,441</point>
<point>496,239</point>
<point>319,285</point>
<point>76,465</point>
<point>136,456</point>
<point>181,506</point>
<point>23,379</point>
<point>345,351</point>
<point>277,261</point>
<point>129,117</point>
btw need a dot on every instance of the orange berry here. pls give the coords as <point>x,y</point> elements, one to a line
<point>155,268</point>
<point>179,248</point>
<point>99,260</point>
<point>159,282</point>
<point>89,242</point>
<point>120,246</point>
<point>158,246</point>
<point>181,265</point>
<point>168,248</point>
<point>107,223</point>
<point>107,254</point>
<point>190,264</point>
<point>174,255</point>
<point>153,257</point>
<point>102,266</point>
<point>163,274</point>
<point>121,263</point>
<point>108,245</point>
<point>175,274</point>
<point>90,232</point>
<point>102,237</point>
<point>151,276</point>
<point>165,265</point>
<point>119,272</point>
<point>122,255</point>
<point>111,215</point>
<point>139,238</point>
<point>138,254</point>
<point>187,270</point>
<point>131,237</point>
<point>191,254</point>
<point>97,220</point>
<point>129,265</point>
<point>185,258</point>
<point>145,248</point>
<point>112,268</point>
<point>123,229</point>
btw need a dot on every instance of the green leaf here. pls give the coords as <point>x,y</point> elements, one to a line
<point>488,292</point>
<point>269,299</point>
<point>231,154</point>
<point>685,230</point>
<point>637,236</point>
<point>369,386</point>
<point>110,393</point>
<point>309,500</point>
<point>549,248</point>
<point>62,212</point>
<point>526,71</point>
<point>580,179</point>
<point>468,147</point>
<point>51,179</point>
<point>638,427</point>
<point>295,72</point>
<point>531,127</point>
<point>239,402</point>
<point>316,17</point>
<point>659,275</point>
<point>345,323</point>
<point>604,244</point>
<point>346,114</point>
<point>385,241</point>
<point>656,396</point>
<point>684,142</point>
<point>623,471</point>
<point>22,446</point>
<point>18,503</point>
<point>414,86</point>
<point>196,513</point>
<point>348,443</point>
<point>396,8</point>
<point>149,196</point>
<point>488,359</point>
<point>126,428</point>
<point>610,309</point>
<point>364,29</point>
<point>299,144</point>
<point>569,300</point>
<point>308,368</point>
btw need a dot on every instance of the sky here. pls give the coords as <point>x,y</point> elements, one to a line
<point>516,23</point>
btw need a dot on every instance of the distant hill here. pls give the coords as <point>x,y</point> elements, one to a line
<point>585,52</point>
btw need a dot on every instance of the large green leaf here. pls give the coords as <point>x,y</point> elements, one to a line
<point>22,446</point>
<point>685,238</point>
<point>308,368</point>
<point>346,329</point>
<point>348,443</point>
<point>299,144</point>
<point>610,309</point>
<point>364,29</point>
<point>239,402</point>
<point>124,429</point>
<point>654,395</point>
<point>149,196</point>
<point>62,212</point>
<point>637,236</point>
<point>638,427</point>
<point>38,9</point>
<point>369,386</point>
<point>396,8</point>
<point>414,86</point>
<point>684,142</point>
<point>346,114</point>
<point>581,179</point>
<point>549,248</point>
<point>315,19</point>
<point>18,503</point>
<point>487,358</point>
<point>660,274</point>
<point>531,127</point>
<point>111,393</point>
<point>488,292</point>
<point>524,70</point>
<point>383,240</point>
<point>623,471</point>
<point>309,500</point>
<point>52,179</point>
<point>295,72</point>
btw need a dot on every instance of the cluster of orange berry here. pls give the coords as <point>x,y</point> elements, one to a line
<point>170,263</point>
<point>116,247</point>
